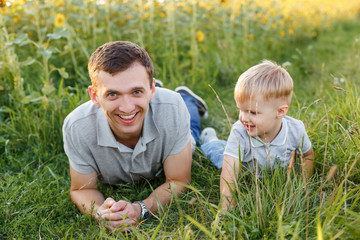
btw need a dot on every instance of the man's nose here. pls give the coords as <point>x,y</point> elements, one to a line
<point>126,105</point>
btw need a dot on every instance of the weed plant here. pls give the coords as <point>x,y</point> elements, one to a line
<point>44,49</point>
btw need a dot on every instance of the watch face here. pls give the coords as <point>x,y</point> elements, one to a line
<point>144,212</point>
<point>146,215</point>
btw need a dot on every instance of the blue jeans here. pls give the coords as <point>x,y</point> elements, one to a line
<point>213,150</point>
<point>195,121</point>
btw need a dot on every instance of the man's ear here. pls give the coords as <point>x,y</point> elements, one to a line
<point>282,111</point>
<point>93,96</point>
<point>152,89</point>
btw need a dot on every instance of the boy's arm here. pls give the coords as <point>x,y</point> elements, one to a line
<point>309,163</point>
<point>229,175</point>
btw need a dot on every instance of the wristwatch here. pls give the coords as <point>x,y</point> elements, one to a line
<point>145,215</point>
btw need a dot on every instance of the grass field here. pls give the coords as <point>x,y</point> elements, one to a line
<point>206,45</point>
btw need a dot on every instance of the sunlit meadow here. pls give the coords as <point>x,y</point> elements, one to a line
<point>206,45</point>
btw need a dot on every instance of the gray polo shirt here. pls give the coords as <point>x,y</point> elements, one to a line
<point>91,146</point>
<point>253,150</point>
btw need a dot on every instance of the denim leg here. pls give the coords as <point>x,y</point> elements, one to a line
<point>214,151</point>
<point>195,121</point>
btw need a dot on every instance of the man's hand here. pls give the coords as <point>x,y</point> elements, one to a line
<point>84,193</point>
<point>119,215</point>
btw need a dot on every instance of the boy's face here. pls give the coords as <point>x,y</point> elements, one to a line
<point>124,98</point>
<point>262,117</point>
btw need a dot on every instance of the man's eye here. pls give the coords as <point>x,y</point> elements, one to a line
<point>137,92</point>
<point>112,94</point>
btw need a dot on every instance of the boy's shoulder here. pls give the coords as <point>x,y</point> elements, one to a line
<point>239,127</point>
<point>239,132</point>
<point>293,122</point>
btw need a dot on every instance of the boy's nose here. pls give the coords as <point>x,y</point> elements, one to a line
<point>243,116</point>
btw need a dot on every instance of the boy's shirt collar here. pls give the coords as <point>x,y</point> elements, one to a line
<point>279,140</point>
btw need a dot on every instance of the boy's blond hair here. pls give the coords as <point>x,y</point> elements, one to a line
<point>268,79</point>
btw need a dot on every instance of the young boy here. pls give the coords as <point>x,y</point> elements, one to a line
<point>264,137</point>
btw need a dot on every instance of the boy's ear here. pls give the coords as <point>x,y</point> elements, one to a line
<point>282,111</point>
<point>93,96</point>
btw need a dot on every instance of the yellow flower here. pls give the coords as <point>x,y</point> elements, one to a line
<point>16,19</point>
<point>146,15</point>
<point>162,15</point>
<point>200,36</point>
<point>291,31</point>
<point>4,10</point>
<point>264,19</point>
<point>59,20</point>
<point>314,34</point>
<point>251,37</point>
<point>59,3</point>
<point>18,3</point>
<point>170,7</point>
<point>282,33</point>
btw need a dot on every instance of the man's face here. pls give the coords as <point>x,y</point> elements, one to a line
<point>260,118</point>
<point>124,98</point>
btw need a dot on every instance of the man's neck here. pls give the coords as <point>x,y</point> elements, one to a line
<point>130,143</point>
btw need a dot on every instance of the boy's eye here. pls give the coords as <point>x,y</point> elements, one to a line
<point>253,113</point>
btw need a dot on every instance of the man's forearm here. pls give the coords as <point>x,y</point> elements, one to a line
<point>162,195</point>
<point>87,200</point>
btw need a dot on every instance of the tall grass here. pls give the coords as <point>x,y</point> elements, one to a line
<point>43,77</point>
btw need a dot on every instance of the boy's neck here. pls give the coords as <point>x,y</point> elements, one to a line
<point>269,138</point>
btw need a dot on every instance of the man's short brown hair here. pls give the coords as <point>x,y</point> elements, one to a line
<point>118,56</point>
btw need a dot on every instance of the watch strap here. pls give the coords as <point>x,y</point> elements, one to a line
<point>145,215</point>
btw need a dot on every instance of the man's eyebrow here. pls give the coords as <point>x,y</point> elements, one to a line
<point>118,92</point>
<point>137,88</point>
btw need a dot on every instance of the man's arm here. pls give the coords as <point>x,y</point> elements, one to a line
<point>89,200</point>
<point>228,176</point>
<point>177,169</point>
<point>84,192</point>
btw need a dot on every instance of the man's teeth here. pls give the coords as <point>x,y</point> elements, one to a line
<point>127,117</point>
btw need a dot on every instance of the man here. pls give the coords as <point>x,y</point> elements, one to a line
<point>127,132</point>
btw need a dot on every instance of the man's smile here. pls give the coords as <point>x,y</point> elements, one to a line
<point>127,117</point>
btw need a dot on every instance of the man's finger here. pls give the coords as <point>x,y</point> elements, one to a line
<point>123,225</point>
<point>113,216</point>
<point>119,206</point>
<point>109,202</point>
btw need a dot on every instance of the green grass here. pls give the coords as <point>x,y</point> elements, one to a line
<point>40,85</point>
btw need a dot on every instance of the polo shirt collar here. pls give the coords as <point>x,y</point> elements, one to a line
<point>150,131</point>
<point>279,140</point>
<point>106,138</point>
